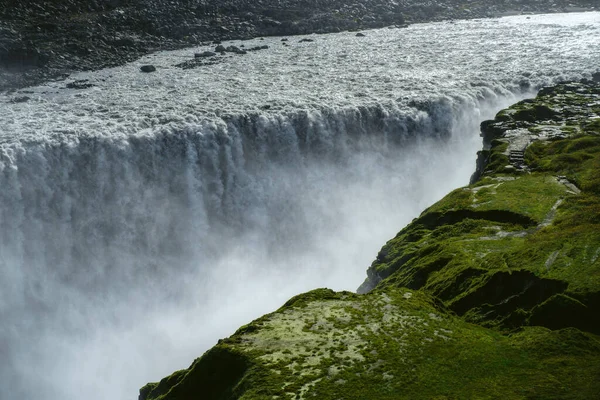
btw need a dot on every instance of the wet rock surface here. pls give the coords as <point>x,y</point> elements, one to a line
<point>40,40</point>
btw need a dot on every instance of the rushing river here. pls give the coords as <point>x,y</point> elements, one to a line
<point>148,215</point>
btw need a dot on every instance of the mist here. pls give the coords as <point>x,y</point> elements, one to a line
<point>126,259</point>
<point>150,215</point>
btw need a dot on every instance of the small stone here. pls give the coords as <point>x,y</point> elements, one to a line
<point>235,49</point>
<point>205,54</point>
<point>360,34</point>
<point>307,40</point>
<point>148,68</point>
<point>20,99</point>
<point>220,49</point>
<point>79,84</point>
<point>258,48</point>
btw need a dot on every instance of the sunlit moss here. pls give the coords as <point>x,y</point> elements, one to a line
<point>493,292</point>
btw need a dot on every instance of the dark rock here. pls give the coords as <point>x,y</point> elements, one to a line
<point>20,99</point>
<point>205,54</point>
<point>490,130</point>
<point>220,49</point>
<point>148,68</point>
<point>80,84</point>
<point>561,311</point>
<point>360,34</point>
<point>218,365</point>
<point>41,40</point>
<point>22,56</point>
<point>596,76</point>
<point>258,48</point>
<point>536,113</point>
<point>235,49</point>
<point>284,39</point>
<point>306,40</point>
<point>199,62</point>
<point>483,157</point>
<point>124,42</point>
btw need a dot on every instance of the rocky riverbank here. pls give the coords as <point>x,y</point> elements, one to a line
<point>40,40</point>
<point>493,292</point>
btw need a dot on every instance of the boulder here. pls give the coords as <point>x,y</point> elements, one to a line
<point>532,114</point>
<point>235,49</point>
<point>148,68</point>
<point>205,54</point>
<point>20,99</point>
<point>80,84</point>
<point>256,48</point>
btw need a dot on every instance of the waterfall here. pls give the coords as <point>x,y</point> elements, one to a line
<point>97,232</point>
<point>147,216</point>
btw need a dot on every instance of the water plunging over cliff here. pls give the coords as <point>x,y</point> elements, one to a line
<point>145,217</point>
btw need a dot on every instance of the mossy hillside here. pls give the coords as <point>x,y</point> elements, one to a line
<point>576,158</point>
<point>531,196</point>
<point>460,261</point>
<point>493,292</point>
<point>524,239</point>
<point>390,344</point>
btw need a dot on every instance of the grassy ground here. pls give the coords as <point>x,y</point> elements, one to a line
<point>492,293</point>
<point>392,344</point>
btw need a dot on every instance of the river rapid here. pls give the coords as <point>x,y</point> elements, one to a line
<point>148,215</point>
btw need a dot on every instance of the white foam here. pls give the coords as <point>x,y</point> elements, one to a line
<point>146,217</point>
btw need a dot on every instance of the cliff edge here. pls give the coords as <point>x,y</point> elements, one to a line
<point>493,292</point>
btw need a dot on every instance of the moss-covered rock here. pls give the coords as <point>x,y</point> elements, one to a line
<point>493,292</point>
<point>388,344</point>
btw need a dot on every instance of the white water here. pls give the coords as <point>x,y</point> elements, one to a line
<point>146,217</point>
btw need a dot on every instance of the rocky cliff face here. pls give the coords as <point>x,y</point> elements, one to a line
<point>514,248</point>
<point>48,39</point>
<point>493,292</point>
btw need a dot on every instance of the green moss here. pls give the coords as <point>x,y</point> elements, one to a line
<point>493,292</point>
<point>216,375</point>
<point>409,349</point>
<point>498,159</point>
<point>575,158</point>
